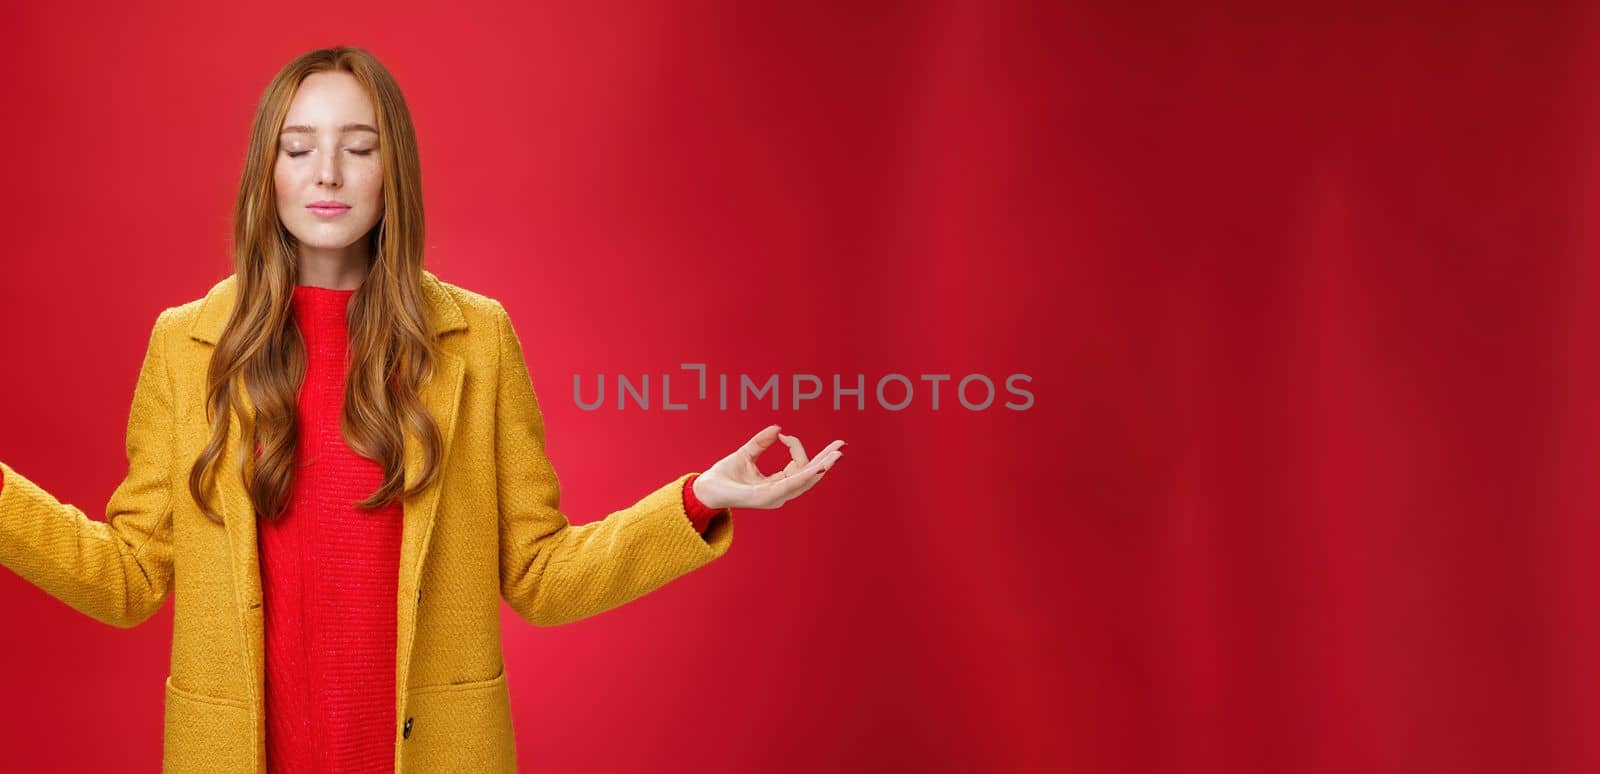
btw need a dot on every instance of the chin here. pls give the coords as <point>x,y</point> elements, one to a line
<point>321,239</point>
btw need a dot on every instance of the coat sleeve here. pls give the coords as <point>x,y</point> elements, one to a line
<point>117,571</point>
<point>553,572</point>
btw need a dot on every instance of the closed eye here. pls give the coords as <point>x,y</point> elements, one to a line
<point>298,154</point>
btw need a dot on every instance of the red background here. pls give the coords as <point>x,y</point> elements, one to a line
<point>1305,292</point>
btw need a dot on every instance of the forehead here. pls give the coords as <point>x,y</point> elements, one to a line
<point>327,101</point>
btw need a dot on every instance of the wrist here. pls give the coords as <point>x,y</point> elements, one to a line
<point>701,495</point>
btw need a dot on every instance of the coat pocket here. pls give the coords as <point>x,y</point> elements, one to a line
<point>206,734</point>
<point>460,727</point>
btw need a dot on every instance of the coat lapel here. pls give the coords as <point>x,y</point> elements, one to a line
<point>442,397</point>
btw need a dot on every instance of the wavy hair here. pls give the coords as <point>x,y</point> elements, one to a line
<point>261,351</point>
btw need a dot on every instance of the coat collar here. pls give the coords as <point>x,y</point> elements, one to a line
<point>441,395</point>
<point>218,304</point>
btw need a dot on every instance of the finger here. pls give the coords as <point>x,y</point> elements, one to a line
<point>797,458</point>
<point>825,464</point>
<point>797,451</point>
<point>823,459</point>
<point>759,443</point>
<point>779,491</point>
<point>806,482</point>
<point>790,469</point>
<point>795,485</point>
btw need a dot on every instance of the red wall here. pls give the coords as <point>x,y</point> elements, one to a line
<point>1305,292</point>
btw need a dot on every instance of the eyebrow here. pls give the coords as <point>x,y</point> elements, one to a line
<point>303,129</point>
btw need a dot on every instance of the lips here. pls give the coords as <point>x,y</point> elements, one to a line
<point>328,208</point>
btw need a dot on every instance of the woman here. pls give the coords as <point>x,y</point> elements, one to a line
<point>398,447</point>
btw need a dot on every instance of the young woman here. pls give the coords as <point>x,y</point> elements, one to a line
<point>337,588</point>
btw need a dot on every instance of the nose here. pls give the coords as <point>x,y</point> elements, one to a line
<point>328,171</point>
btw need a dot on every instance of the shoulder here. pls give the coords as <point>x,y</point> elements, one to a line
<point>489,330</point>
<point>456,308</point>
<point>183,318</point>
<point>475,306</point>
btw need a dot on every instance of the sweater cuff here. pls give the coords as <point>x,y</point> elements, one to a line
<point>699,514</point>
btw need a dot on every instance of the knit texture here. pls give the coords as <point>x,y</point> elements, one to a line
<point>329,572</point>
<point>699,514</point>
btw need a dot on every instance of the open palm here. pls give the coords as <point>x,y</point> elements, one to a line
<point>736,482</point>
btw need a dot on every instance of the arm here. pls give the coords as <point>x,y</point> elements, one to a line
<point>117,571</point>
<point>552,572</point>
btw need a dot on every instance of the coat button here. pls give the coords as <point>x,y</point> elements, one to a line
<point>419,594</point>
<point>406,733</point>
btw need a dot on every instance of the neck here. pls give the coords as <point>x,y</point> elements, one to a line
<point>342,269</point>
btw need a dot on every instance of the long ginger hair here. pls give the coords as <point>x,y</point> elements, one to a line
<point>392,350</point>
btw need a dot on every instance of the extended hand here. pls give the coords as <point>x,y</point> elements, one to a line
<point>736,482</point>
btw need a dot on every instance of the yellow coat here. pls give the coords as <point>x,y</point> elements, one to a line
<point>491,528</point>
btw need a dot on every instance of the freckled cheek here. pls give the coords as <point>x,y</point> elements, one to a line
<point>287,186</point>
<point>370,188</point>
